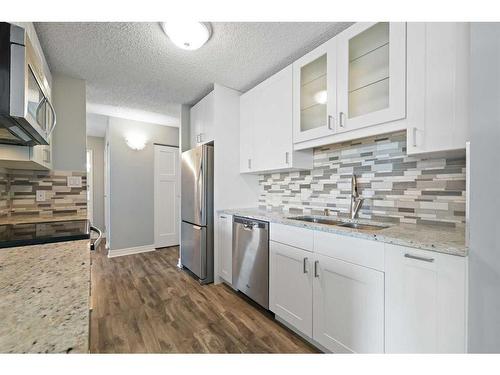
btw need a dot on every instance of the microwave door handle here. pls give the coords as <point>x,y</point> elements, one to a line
<point>38,107</point>
<point>54,116</point>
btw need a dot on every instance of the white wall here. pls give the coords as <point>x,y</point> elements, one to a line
<point>96,125</point>
<point>484,253</point>
<point>131,181</point>
<point>96,144</point>
<point>185,129</point>
<point>231,189</point>
<point>69,137</point>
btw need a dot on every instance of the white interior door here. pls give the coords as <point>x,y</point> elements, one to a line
<point>166,194</point>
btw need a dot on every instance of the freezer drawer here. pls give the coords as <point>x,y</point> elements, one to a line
<point>194,249</point>
<point>251,259</point>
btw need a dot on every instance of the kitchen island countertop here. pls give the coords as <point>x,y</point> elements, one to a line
<point>44,298</point>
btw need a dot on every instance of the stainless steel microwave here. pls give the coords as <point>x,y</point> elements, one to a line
<point>27,116</point>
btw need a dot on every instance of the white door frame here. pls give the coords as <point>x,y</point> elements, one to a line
<point>90,185</point>
<point>176,239</point>
<point>107,189</point>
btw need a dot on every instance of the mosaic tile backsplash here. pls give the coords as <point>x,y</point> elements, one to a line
<point>395,187</point>
<point>18,193</point>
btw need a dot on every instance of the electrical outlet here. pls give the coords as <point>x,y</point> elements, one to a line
<point>74,181</point>
<point>40,195</point>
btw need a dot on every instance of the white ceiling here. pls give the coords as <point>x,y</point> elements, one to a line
<point>135,66</point>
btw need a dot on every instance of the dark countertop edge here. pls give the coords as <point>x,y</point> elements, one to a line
<point>43,241</point>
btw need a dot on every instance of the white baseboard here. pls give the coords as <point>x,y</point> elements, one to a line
<point>130,250</point>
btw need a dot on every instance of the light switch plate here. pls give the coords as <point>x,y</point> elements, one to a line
<point>40,195</point>
<point>74,181</point>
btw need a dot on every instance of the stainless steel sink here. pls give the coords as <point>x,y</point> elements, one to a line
<point>339,223</point>
<point>363,226</point>
<point>319,220</point>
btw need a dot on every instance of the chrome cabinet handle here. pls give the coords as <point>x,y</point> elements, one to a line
<point>286,158</point>
<point>424,259</point>
<point>330,120</point>
<point>316,268</point>
<point>341,119</point>
<point>414,137</point>
<point>249,163</point>
<point>304,265</point>
<point>223,217</point>
<point>54,116</point>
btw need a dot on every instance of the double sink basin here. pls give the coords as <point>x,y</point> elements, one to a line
<point>339,223</point>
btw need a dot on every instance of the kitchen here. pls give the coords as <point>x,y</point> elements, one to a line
<point>314,196</point>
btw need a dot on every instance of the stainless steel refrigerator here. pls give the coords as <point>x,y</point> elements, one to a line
<point>197,226</point>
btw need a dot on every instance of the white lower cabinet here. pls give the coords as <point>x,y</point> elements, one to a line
<point>290,285</point>
<point>348,307</point>
<point>351,295</point>
<point>425,301</point>
<point>225,229</point>
<point>338,304</point>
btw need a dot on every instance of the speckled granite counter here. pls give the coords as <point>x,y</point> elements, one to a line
<point>22,219</point>
<point>44,298</point>
<point>448,240</point>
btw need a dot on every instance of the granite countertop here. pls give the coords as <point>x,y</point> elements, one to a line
<point>44,298</point>
<point>28,219</point>
<point>442,239</point>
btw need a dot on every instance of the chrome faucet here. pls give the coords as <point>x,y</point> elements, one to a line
<point>356,201</point>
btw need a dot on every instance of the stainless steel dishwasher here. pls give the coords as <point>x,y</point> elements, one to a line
<point>251,258</point>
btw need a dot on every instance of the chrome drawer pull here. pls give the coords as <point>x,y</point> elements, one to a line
<point>305,265</point>
<point>410,256</point>
<point>316,268</point>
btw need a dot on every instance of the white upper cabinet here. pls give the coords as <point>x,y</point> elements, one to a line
<point>248,103</point>
<point>371,74</point>
<point>425,301</point>
<point>202,121</point>
<point>439,118</point>
<point>314,93</point>
<point>266,142</point>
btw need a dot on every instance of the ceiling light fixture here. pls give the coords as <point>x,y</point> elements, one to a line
<point>136,141</point>
<point>187,35</point>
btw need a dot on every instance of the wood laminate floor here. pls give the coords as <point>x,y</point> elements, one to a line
<point>144,304</point>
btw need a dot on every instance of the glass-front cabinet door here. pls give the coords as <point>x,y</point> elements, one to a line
<point>371,74</point>
<point>314,93</point>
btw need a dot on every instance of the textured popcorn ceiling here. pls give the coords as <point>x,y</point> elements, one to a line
<point>134,65</point>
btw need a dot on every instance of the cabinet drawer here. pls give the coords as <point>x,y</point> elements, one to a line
<point>350,249</point>
<point>293,236</point>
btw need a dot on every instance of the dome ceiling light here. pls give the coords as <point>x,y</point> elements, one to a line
<point>187,35</point>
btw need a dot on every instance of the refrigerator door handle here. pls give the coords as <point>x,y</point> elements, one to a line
<point>200,193</point>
